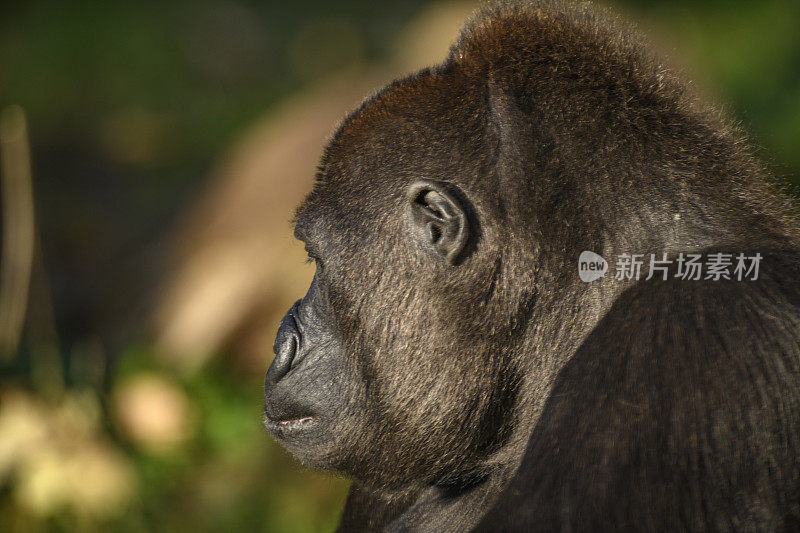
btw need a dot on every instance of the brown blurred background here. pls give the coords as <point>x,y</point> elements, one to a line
<point>152,154</point>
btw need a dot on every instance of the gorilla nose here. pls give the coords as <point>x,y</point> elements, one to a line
<point>285,348</point>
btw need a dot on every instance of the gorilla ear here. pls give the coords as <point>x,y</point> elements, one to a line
<point>438,219</point>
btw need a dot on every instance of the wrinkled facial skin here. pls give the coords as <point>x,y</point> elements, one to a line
<point>388,369</point>
<point>303,391</point>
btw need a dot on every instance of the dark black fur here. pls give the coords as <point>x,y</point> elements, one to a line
<point>449,359</point>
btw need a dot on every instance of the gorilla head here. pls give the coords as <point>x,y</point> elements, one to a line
<point>401,355</point>
<point>445,223</point>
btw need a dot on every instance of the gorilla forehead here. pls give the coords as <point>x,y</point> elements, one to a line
<point>415,112</point>
<point>413,119</point>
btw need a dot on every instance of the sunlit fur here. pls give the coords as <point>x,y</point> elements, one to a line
<point>641,405</point>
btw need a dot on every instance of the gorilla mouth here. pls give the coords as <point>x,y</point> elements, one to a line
<point>295,421</point>
<point>283,426</point>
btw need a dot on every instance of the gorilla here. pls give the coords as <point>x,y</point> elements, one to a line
<point>450,360</point>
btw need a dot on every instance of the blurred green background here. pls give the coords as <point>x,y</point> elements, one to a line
<point>169,142</point>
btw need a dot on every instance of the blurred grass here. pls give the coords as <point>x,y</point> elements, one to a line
<point>129,107</point>
<point>229,476</point>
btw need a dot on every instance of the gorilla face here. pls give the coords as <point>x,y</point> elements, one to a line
<point>388,368</point>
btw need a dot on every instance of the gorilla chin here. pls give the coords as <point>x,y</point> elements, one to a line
<point>307,436</point>
<point>301,437</point>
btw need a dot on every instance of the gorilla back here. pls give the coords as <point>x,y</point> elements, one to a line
<point>450,359</point>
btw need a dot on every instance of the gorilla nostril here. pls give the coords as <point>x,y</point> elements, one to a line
<point>285,348</point>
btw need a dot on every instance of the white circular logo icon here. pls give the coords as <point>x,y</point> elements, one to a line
<point>591,266</point>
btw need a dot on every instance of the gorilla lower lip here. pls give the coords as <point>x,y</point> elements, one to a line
<point>296,421</point>
<point>290,425</point>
